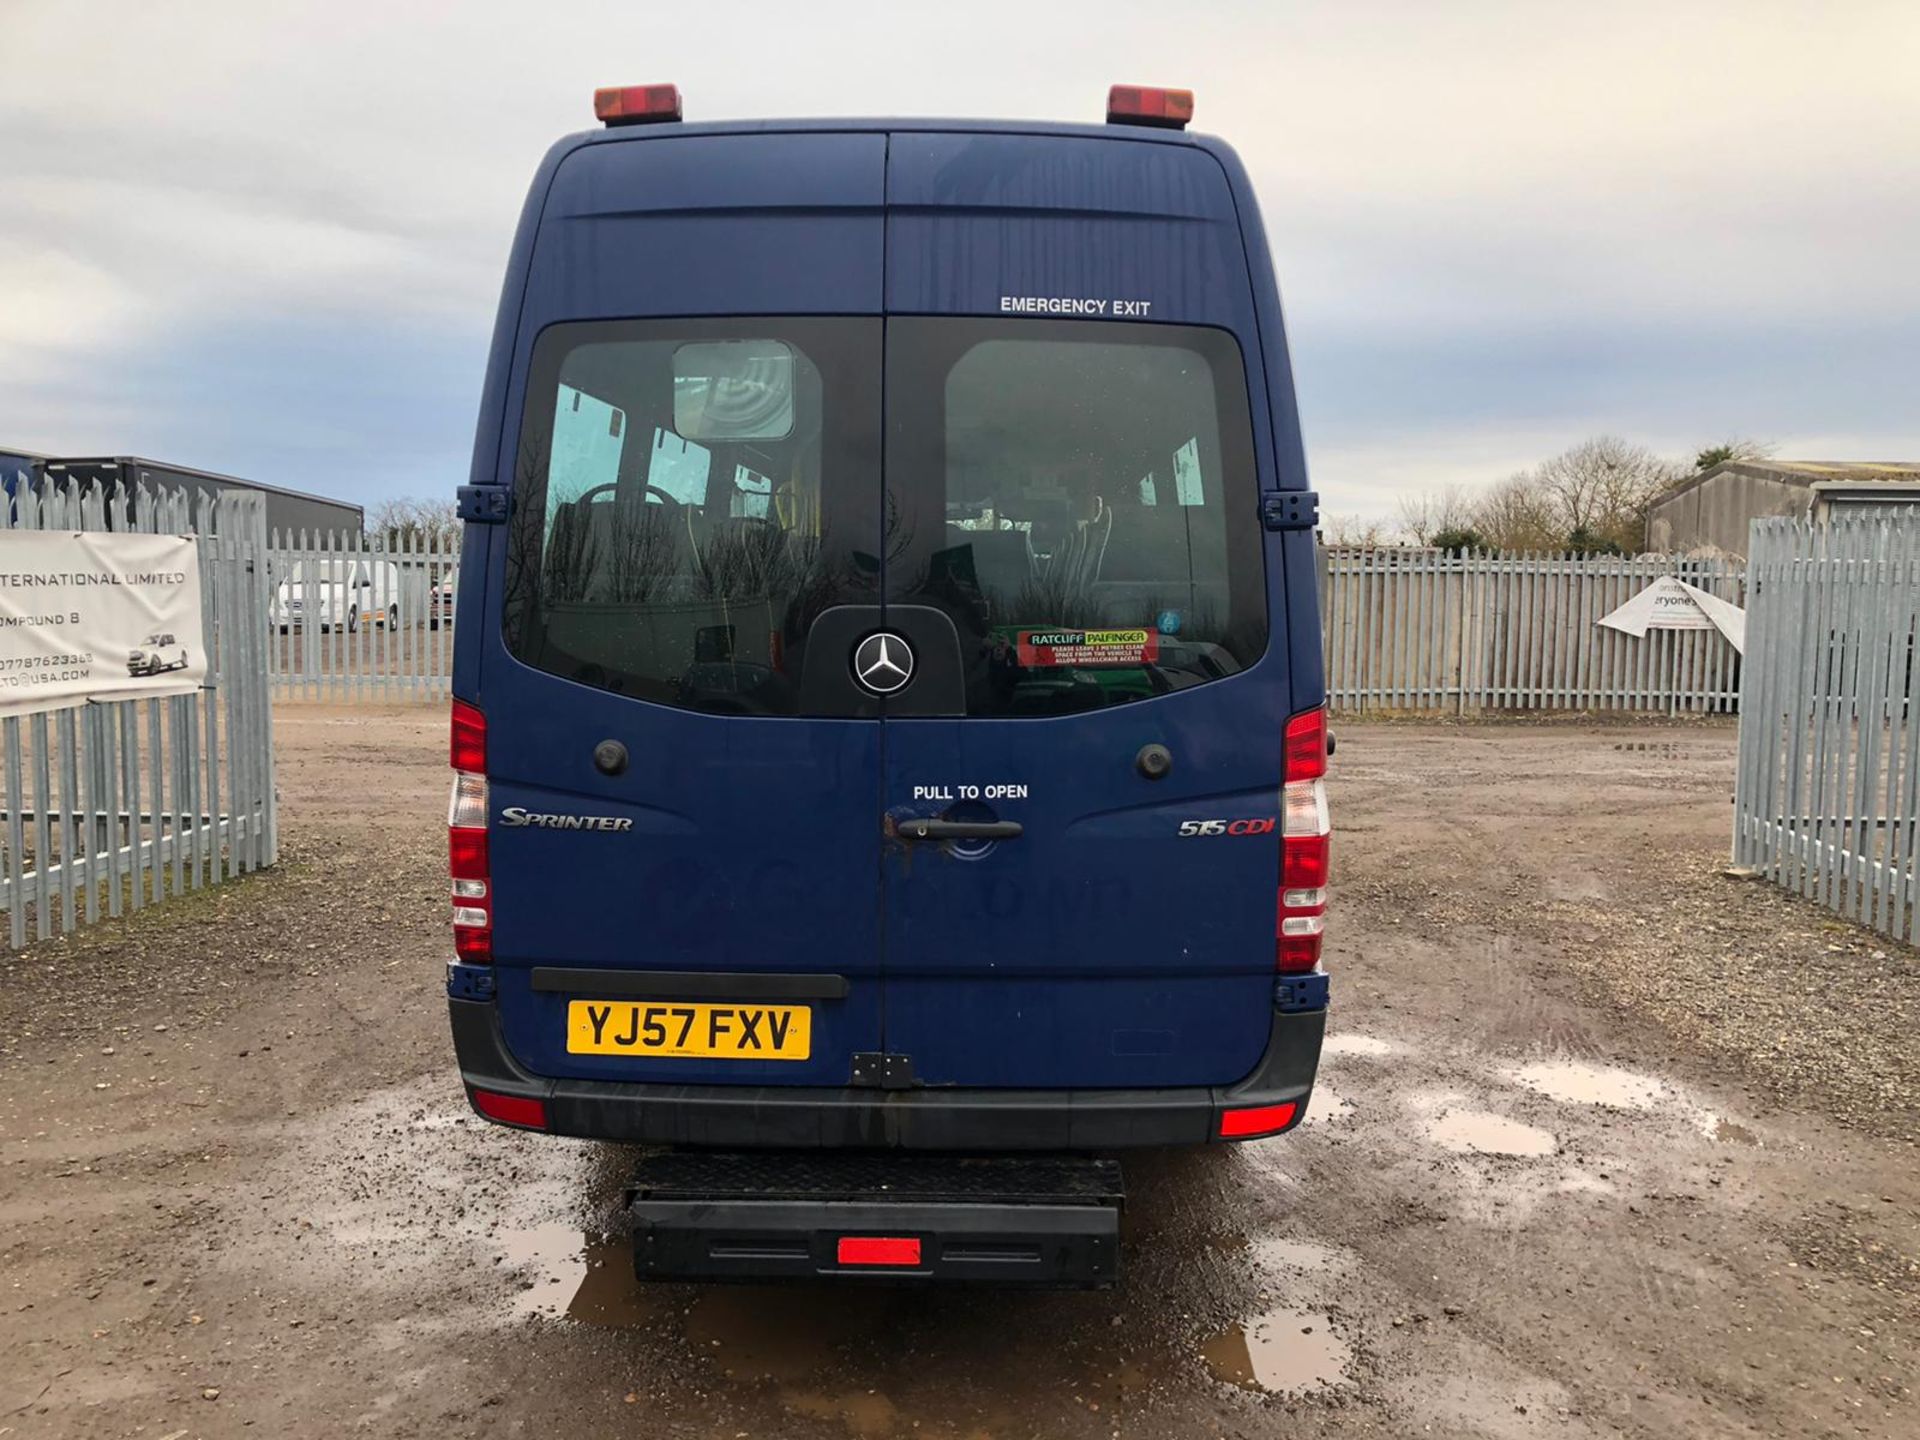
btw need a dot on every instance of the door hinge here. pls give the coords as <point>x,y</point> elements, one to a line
<point>1289,509</point>
<point>484,504</point>
<point>882,1071</point>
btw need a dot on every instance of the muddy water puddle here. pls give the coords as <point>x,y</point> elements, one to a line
<point>1275,1252</point>
<point>583,1277</point>
<point>862,1412</point>
<point>1283,1352</point>
<point>784,1333</point>
<point>1481,1132</point>
<point>1575,1082</point>
<point>1326,1105</point>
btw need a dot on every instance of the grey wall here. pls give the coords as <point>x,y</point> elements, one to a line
<point>1717,511</point>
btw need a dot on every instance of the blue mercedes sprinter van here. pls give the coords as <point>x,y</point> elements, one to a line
<point>889,727</point>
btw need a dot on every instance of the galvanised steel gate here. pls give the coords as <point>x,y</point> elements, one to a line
<point>109,807</point>
<point>1827,797</point>
<point>361,618</point>
<point>1430,630</point>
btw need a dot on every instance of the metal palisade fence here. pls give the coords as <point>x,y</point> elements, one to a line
<point>1432,630</point>
<point>353,617</point>
<point>109,807</point>
<point>1827,795</point>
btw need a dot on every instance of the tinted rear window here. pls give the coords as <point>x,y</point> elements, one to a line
<point>1078,497</point>
<point>1081,498</point>
<point>691,495</point>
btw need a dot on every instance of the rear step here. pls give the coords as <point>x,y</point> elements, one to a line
<point>1004,1220</point>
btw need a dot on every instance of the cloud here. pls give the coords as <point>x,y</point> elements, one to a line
<point>1499,226</point>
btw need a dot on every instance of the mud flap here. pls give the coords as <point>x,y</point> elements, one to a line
<point>1039,1221</point>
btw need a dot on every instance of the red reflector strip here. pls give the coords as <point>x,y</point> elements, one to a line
<point>511,1109</point>
<point>1258,1120</point>
<point>878,1250</point>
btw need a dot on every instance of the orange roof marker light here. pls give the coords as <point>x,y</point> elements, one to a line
<point>637,104</point>
<point>1149,105</point>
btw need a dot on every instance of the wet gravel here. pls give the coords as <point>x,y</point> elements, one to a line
<point>1575,1167</point>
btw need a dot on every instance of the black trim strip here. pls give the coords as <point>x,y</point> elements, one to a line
<point>690,984</point>
<point>794,1117</point>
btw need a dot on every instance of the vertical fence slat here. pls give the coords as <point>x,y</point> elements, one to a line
<point>128,795</point>
<point>1827,795</point>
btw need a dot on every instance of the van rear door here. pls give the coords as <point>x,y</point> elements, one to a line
<point>1073,474</point>
<point>684,787</point>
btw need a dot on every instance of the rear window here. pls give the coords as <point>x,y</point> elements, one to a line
<point>692,495</point>
<point>1078,497</point>
<point>1081,498</point>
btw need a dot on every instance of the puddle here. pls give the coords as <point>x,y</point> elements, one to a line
<point>1276,1253</point>
<point>1578,1083</point>
<point>779,1332</point>
<point>1282,1352</point>
<point>1325,1105</point>
<point>1480,1132</point>
<point>1350,1044</point>
<point>585,1278</point>
<point>863,1412</point>
<point>1729,1132</point>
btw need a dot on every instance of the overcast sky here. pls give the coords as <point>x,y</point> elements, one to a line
<point>267,237</point>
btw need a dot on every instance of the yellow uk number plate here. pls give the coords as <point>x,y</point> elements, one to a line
<point>689,1031</point>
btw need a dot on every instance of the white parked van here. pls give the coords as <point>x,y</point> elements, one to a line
<point>346,591</point>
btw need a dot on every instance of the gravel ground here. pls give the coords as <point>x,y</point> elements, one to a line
<point>1589,1156</point>
<point>1635,894</point>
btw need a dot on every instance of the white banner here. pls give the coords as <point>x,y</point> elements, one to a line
<point>97,617</point>
<point>1672,604</point>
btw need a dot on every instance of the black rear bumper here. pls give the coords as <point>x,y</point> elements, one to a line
<point>927,1118</point>
<point>1050,1221</point>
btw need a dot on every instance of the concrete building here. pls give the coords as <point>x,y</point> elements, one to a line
<point>287,510</point>
<point>1713,510</point>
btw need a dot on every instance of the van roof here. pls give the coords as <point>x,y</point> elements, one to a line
<point>667,130</point>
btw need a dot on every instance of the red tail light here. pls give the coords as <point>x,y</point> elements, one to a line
<point>522,1110</point>
<point>636,104</point>
<point>469,749</point>
<point>467,861</point>
<point>1256,1120</point>
<point>1149,105</point>
<point>1305,845</point>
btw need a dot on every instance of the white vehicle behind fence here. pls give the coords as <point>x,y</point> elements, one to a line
<point>346,593</point>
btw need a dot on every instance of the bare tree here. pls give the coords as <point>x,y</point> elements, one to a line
<point>1517,513</point>
<point>1353,532</point>
<point>405,518</point>
<point>1600,490</point>
<point>1427,513</point>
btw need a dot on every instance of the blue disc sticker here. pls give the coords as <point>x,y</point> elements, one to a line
<point>1169,622</point>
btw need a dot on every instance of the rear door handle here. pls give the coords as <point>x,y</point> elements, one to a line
<point>959,829</point>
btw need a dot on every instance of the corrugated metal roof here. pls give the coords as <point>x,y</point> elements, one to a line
<point>1808,472</point>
